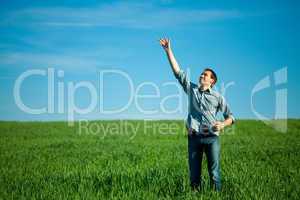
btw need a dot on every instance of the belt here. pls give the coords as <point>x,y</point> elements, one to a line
<point>205,132</point>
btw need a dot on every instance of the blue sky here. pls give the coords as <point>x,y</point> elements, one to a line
<point>243,41</point>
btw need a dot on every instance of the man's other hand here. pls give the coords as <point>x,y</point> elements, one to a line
<point>165,43</point>
<point>218,126</point>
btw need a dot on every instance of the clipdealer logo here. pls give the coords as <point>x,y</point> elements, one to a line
<point>279,120</point>
<point>57,89</point>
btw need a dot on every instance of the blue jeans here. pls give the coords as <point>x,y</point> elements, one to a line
<point>198,144</point>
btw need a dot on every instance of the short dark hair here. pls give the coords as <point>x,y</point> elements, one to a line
<point>213,75</point>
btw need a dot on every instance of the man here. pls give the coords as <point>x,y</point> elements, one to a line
<point>202,124</point>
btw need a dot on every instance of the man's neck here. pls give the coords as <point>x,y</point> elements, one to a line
<point>204,87</point>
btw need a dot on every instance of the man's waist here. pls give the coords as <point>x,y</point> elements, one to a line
<point>203,131</point>
<point>201,128</point>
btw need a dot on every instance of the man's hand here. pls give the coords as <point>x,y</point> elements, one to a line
<point>165,43</point>
<point>218,126</point>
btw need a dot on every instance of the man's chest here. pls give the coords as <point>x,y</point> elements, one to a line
<point>204,101</point>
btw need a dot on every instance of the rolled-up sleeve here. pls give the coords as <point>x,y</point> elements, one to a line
<point>224,108</point>
<point>184,80</point>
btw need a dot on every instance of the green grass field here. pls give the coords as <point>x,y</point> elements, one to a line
<point>43,160</point>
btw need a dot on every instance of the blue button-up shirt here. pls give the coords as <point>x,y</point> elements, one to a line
<point>203,106</point>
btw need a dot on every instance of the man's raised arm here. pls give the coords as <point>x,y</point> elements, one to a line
<point>166,44</point>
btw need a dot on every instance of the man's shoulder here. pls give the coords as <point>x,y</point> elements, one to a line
<point>216,94</point>
<point>193,85</point>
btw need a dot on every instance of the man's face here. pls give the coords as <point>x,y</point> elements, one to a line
<point>206,78</point>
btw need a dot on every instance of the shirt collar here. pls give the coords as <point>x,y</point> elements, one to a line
<point>208,90</point>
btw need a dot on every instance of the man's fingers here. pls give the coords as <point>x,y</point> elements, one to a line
<point>165,42</point>
<point>217,123</point>
<point>162,40</point>
<point>217,126</point>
